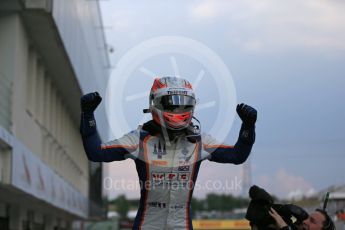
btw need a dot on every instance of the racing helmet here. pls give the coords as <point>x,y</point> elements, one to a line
<point>172,102</point>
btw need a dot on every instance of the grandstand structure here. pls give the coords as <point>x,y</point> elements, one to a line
<point>51,52</point>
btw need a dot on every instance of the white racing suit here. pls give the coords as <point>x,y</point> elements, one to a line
<point>167,171</point>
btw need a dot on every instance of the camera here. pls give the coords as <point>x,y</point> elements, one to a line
<point>260,204</point>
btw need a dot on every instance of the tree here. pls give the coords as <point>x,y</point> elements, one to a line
<point>215,202</point>
<point>122,206</point>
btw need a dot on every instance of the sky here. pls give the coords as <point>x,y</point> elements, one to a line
<point>285,58</point>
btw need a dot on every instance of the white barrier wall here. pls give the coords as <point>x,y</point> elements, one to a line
<point>31,175</point>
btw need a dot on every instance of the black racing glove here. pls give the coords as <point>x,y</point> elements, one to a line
<point>89,102</point>
<point>247,114</point>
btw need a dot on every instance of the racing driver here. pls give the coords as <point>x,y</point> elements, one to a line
<point>167,151</point>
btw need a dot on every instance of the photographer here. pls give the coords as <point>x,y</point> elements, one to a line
<point>317,220</point>
<point>264,214</point>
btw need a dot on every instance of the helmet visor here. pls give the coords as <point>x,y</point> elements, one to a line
<point>175,103</point>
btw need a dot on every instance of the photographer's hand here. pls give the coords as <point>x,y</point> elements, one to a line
<point>279,220</point>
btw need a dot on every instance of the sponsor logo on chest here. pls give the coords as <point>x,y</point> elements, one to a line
<point>171,176</point>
